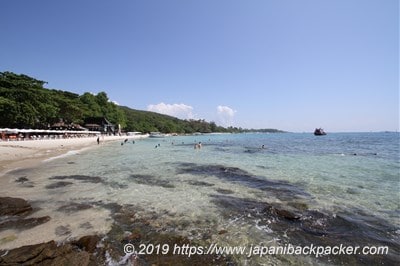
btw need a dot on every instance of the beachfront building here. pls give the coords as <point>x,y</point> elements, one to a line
<point>61,125</point>
<point>7,134</point>
<point>99,124</point>
<point>94,126</point>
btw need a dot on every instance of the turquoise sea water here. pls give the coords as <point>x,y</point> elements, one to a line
<point>342,188</point>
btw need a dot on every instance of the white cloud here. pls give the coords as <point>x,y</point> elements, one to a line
<point>225,115</point>
<point>181,110</point>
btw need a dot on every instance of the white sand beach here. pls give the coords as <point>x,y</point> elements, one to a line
<point>27,153</point>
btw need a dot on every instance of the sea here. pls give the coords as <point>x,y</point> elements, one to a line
<point>245,199</point>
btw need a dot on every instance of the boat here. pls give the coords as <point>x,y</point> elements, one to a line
<point>319,132</point>
<point>157,135</point>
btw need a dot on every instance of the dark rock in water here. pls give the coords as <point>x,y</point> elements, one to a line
<point>135,235</point>
<point>23,224</point>
<point>200,183</point>
<point>12,211</point>
<point>74,207</point>
<point>281,189</point>
<point>112,206</point>
<point>282,213</point>
<point>88,243</point>
<point>224,191</point>
<point>139,176</point>
<point>58,184</point>
<point>233,206</point>
<point>46,254</point>
<point>149,228</point>
<point>301,206</point>
<point>303,226</point>
<point>84,178</point>
<point>25,182</point>
<point>22,179</point>
<point>151,181</point>
<point>223,231</point>
<point>220,171</point>
<point>14,206</point>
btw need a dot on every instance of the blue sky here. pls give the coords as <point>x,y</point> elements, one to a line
<point>287,64</point>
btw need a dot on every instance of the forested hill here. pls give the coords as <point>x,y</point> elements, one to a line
<point>26,103</point>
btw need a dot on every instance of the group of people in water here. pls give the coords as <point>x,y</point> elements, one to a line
<point>197,145</point>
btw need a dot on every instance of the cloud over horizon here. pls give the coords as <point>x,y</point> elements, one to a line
<point>225,115</point>
<point>181,110</point>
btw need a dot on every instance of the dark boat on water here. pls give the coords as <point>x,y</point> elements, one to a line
<point>319,132</point>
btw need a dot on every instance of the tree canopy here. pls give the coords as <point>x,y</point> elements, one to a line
<point>26,103</point>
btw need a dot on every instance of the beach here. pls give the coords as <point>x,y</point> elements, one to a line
<point>28,153</point>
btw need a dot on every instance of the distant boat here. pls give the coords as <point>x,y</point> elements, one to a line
<point>157,135</point>
<point>319,132</point>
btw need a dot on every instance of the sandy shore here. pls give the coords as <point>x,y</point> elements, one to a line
<point>28,153</point>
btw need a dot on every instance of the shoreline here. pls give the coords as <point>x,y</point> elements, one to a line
<point>29,153</point>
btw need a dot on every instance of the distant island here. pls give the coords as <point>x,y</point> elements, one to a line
<point>26,103</point>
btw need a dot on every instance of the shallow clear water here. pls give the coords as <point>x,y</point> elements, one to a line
<point>336,183</point>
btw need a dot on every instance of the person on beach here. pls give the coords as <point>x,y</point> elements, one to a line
<point>98,140</point>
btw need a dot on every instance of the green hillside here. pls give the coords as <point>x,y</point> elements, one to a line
<point>26,103</point>
<point>149,121</point>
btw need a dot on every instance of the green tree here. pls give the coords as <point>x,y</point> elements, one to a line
<point>8,112</point>
<point>92,108</point>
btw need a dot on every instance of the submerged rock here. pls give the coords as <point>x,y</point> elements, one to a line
<point>74,207</point>
<point>224,191</point>
<point>83,178</point>
<point>22,179</point>
<point>14,206</point>
<point>58,184</point>
<point>302,226</point>
<point>151,228</point>
<point>223,231</point>
<point>24,182</point>
<point>13,212</point>
<point>88,243</point>
<point>282,213</point>
<point>23,224</point>
<point>46,254</point>
<point>199,183</point>
<point>151,181</point>
<point>279,188</point>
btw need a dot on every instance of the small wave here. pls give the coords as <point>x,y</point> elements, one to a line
<point>125,260</point>
<point>263,226</point>
<point>69,153</point>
